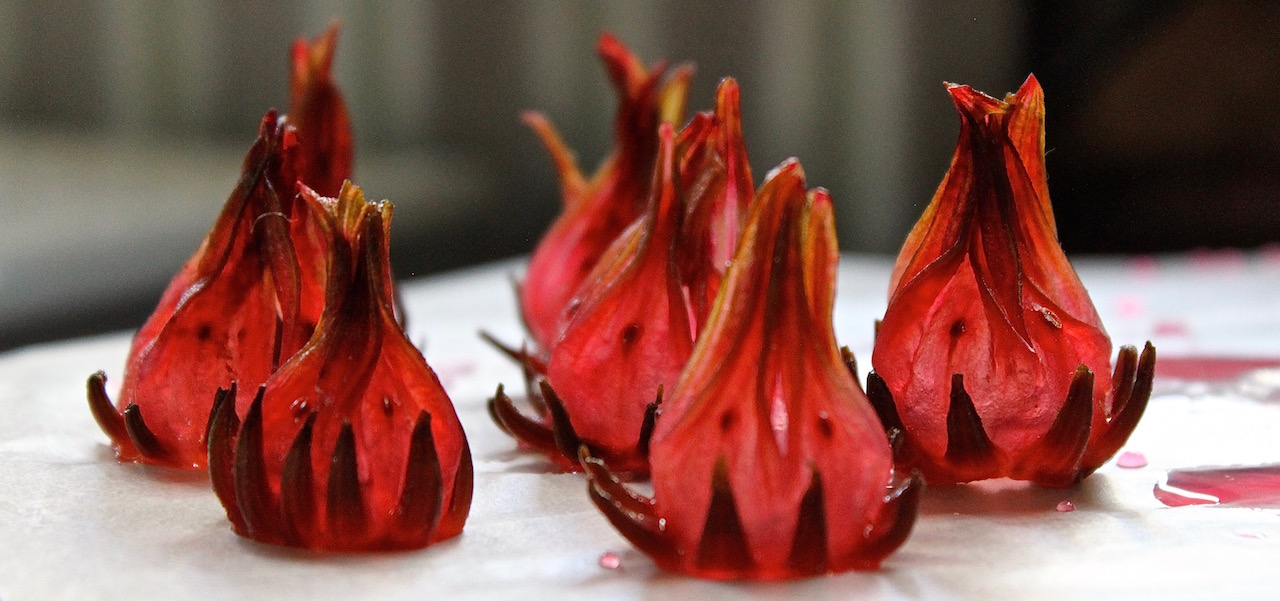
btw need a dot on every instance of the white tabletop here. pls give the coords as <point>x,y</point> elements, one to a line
<point>75,524</point>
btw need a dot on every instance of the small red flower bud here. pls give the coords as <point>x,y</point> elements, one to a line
<point>630,328</point>
<point>232,314</point>
<point>987,354</point>
<point>317,109</point>
<point>767,460</point>
<point>250,296</point>
<point>353,443</point>
<point>597,210</point>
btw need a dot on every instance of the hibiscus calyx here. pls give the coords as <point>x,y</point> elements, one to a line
<point>598,209</point>
<point>989,352</point>
<point>352,444</point>
<point>630,327</point>
<point>767,461</point>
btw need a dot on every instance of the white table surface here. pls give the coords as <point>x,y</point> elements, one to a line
<point>75,524</point>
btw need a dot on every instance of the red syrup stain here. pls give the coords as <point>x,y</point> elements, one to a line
<point>1211,369</point>
<point>1253,486</point>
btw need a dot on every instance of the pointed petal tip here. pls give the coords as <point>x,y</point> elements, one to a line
<point>728,95</point>
<point>789,168</point>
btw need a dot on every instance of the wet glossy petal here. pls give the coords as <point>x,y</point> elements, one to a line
<point>353,444</point>
<point>767,460</point>
<point>235,310</point>
<point>991,353</point>
<point>597,210</point>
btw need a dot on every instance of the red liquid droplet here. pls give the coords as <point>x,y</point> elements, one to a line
<point>1131,459</point>
<point>610,560</point>
<point>1066,506</point>
<point>1255,486</point>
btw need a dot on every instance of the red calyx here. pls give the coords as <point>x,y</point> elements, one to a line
<point>352,444</point>
<point>987,354</point>
<point>767,460</point>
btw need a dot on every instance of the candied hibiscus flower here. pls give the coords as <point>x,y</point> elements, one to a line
<point>316,108</point>
<point>352,444</point>
<point>630,328</point>
<point>768,462</point>
<point>597,210</point>
<point>251,294</point>
<point>987,354</point>
<point>233,312</point>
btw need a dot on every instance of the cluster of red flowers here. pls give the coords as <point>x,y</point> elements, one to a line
<point>342,437</point>
<point>682,331</point>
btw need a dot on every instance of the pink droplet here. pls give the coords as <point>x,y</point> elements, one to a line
<point>1066,506</point>
<point>1129,306</point>
<point>1131,459</point>
<point>610,560</point>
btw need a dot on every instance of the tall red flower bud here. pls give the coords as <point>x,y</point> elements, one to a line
<point>597,210</point>
<point>352,444</point>
<point>234,311</point>
<point>317,110</point>
<point>629,329</point>
<point>987,354</point>
<point>767,461</point>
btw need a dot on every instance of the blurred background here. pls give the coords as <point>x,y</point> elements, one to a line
<point>122,124</point>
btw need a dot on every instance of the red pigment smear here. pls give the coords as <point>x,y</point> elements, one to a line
<point>1256,486</point>
<point>1211,369</point>
<point>1171,328</point>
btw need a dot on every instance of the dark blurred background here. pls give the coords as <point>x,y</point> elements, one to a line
<point>123,123</point>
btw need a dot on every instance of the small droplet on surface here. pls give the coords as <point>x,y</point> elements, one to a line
<point>610,560</point>
<point>1130,306</point>
<point>1131,460</point>
<point>298,407</point>
<point>1066,506</point>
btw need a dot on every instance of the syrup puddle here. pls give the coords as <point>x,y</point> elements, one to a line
<point>1254,486</point>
